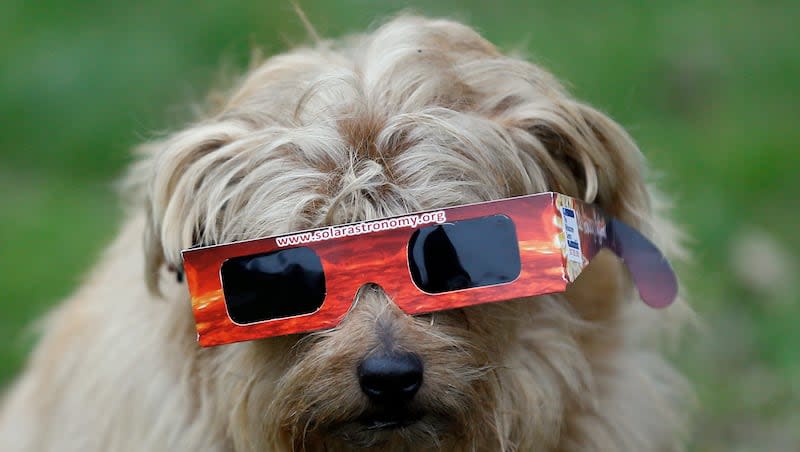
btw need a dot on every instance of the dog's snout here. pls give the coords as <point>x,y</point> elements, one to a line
<point>390,379</point>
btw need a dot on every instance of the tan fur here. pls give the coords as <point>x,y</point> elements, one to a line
<point>418,114</point>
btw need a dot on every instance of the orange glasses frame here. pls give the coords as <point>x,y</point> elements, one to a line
<point>554,247</point>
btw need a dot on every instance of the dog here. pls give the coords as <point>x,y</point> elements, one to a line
<point>418,114</point>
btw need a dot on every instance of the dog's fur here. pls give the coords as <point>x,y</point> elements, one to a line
<point>419,114</point>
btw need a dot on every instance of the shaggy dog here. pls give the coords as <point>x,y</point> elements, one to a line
<point>419,114</point>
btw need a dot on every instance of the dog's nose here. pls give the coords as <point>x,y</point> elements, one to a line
<point>390,379</point>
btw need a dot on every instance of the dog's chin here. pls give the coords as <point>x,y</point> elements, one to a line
<point>407,429</point>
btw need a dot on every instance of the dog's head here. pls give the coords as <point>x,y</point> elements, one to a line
<point>420,114</point>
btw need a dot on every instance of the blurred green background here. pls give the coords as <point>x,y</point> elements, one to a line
<point>709,89</point>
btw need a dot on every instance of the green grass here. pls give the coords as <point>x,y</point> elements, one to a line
<point>707,88</point>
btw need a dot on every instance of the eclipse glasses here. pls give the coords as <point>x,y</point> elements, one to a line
<point>425,262</point>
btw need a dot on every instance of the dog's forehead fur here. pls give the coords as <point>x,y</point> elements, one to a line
<point>420,114</point>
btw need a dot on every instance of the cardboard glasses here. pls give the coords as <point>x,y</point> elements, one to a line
<point>426,262</point>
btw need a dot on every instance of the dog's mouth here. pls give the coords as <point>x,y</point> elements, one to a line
<point>389,420</point>
<point>392,427</point>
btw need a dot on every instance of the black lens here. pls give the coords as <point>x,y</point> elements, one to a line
<point>274,285</point>
<point>464,254</point>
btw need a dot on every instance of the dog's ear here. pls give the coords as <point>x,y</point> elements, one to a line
<point>165,180</point>
<point>585,154</point>
<point>135,188</point>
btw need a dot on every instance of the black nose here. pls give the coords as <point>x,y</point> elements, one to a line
<point>390,379</point>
